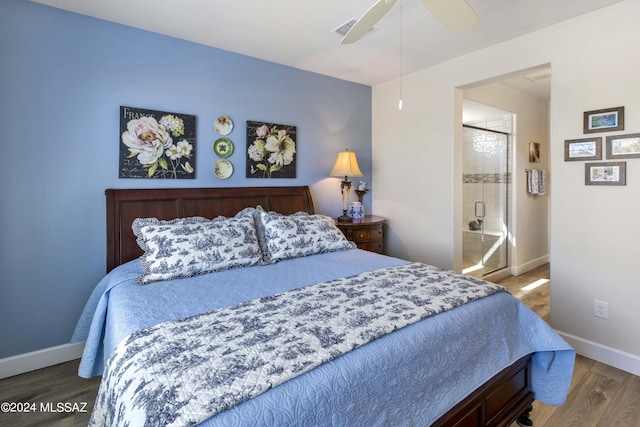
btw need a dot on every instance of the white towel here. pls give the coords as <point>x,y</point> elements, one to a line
<point>535,181</point>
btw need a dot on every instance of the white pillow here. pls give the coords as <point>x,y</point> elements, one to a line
<point>301,234</point>
<point>188,247</point>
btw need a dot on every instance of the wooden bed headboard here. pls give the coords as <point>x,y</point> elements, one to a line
<point>123,206</point>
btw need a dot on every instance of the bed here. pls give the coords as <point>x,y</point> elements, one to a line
<point>478,364</point>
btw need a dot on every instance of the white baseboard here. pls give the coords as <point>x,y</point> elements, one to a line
<point>607,355</point>
<point>530,265</point>
<point>21,363</point>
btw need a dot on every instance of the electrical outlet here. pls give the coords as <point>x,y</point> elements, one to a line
<point>601,309</point>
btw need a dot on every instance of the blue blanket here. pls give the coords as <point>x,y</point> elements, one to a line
<point>409,377</point>
<point>214,361</point>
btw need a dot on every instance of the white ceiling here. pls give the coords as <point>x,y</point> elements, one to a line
<point>298,33</point>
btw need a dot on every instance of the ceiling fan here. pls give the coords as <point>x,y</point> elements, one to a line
<point>455,14</point>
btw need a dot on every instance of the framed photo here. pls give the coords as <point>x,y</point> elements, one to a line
<point>623,146</point>
<point>606,120</point>
<point>605,173</point>
<point>583,149</point>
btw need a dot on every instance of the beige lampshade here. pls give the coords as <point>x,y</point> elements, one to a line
<point>346,165</point>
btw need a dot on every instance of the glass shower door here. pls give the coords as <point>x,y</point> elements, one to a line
<point>486,179</point>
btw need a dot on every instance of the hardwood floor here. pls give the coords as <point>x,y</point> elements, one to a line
<point>600,396</point>
<point>533,289</point>
<point>43,390</point>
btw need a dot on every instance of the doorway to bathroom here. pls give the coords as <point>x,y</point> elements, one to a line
<point>486,189</point>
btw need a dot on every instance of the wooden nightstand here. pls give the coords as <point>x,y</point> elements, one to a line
<point>367,232</point>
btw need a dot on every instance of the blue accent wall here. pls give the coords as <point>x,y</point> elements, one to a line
<point>63,77</point>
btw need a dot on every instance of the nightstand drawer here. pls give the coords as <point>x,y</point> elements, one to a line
<point>366,234</point>
<point>371,246</point>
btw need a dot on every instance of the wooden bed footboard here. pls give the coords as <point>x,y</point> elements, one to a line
<point>498,403</point>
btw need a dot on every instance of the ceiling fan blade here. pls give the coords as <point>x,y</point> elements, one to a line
<point>455,14</point>
<point>368,20</point>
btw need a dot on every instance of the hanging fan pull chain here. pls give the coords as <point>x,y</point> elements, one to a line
<point>401,55</point>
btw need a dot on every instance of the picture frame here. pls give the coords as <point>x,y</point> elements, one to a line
<point>605,120</point>
<point>583,149</point>
<point>605,173</point>
<point>156,144</point>
<point>623,146</point>
<point>534,152</point>
<point>271,150</point>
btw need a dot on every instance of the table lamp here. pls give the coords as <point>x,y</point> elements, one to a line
<point>346,166</point>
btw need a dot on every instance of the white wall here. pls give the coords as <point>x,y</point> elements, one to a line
<point>529,226</point>
<point>594,233</point>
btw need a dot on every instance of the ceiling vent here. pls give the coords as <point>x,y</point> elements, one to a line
<point>343,29</point>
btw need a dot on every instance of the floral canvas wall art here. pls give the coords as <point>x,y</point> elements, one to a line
<point>271,150</point>
<point>157,144</point>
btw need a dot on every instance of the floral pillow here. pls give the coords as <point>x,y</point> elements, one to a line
<point>191,246</point>
<point>300,235</point>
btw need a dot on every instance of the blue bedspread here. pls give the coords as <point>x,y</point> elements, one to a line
<point>409,377</point>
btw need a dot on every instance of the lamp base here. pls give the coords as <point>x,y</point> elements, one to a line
<point>344,217</point>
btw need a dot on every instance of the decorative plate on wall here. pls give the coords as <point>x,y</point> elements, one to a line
<point>223,147</point>
<point>223,169</point>
<point>223,125</point>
